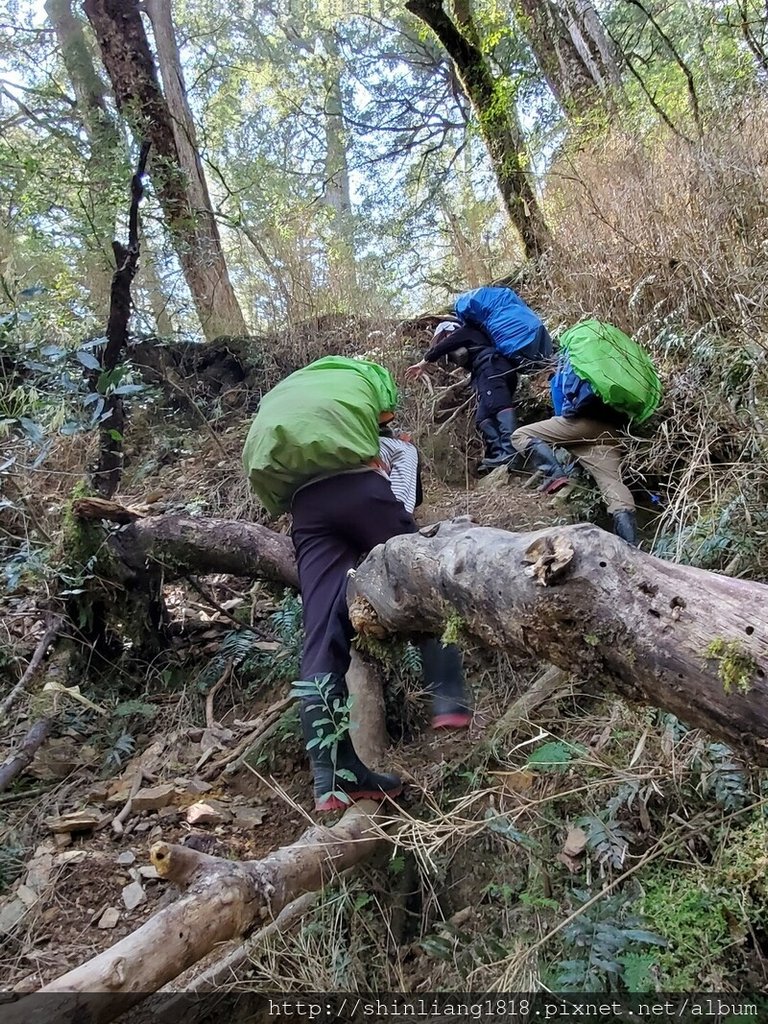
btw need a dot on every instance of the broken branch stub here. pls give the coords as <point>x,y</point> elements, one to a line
<point>689,641</point>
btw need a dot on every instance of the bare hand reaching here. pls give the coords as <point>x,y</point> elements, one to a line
<point>416,371</point>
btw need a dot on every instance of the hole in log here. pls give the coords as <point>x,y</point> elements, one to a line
<point>749,630</point>
<point>603,565</point>
<point>654,613</point>
<point>160,855</point>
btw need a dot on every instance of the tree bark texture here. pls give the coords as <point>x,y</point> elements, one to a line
<point>106,477</point>
<point>668,635</point>
<point>223,899</point>
<point>106,156</point>
<point>498,125</point>
<point>14,765</point>
<point>682,639</point>
<point>176,171</point>
<point>182,545</point>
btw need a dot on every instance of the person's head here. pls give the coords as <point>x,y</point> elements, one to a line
<point>444,328</point>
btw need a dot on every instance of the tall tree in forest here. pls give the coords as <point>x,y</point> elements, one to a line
<point>105,149</point>
<point>496,116</point>
<point>105,160</point>
<point>176,169</point>
<point>337,197</point>
<point>571,47</point>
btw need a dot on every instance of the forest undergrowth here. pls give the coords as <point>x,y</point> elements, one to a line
<point>585,846</point>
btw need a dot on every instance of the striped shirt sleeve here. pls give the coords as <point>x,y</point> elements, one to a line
<point>401,461</point>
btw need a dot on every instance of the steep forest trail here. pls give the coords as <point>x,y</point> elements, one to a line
<point>507,833</point>
<point>75,887</point>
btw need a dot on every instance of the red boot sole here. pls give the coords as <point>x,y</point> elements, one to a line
<point>334,804</point>
<point>458,720</point>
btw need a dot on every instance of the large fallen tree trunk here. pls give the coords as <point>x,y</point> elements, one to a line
<point>223,899</point>
<point>682,639</point>
<point>181,545</point>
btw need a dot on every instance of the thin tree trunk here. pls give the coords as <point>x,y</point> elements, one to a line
<point>106,477</point>
<point>498,125</point>
<point>179,184</point>
<point>682,639</point>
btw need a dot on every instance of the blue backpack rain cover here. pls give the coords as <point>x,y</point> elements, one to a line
<point>513,327</point>
<point>570,392</point>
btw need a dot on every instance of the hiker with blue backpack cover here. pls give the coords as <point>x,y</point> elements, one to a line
<point>496,336</point>
<point>604,381</point>
<point>318,446</point>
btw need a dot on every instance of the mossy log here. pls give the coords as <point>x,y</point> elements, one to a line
<point>689,641</point>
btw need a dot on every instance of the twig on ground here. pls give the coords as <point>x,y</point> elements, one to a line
<point>53,628</point>
<point>119,820</point>
<point>16,763</point>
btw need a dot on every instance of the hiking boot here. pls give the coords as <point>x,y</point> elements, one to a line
<point>336,768</point>
<point>625,525</point>
<point>444,679</point>
<point>505,423</point>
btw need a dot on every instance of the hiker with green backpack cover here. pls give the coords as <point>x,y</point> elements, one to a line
<point>604,381</point>
<point>315,449</point>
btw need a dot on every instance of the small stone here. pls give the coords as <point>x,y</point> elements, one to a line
<point>133,895</point>
<point>62,840</point>
<point>194,786</point>
<point>39,868</point>
<point>126,858</point>
<point>27,896</point>
<point>77,821</point>
<point>98,793</point>
<point>249,817</point>
<point>10,915</point>
<point>143,826</point>
<point>72,857</point>
<point>153,798</point>
<point>109,918</point>
<point>167,814</point>
<point>156,832</point>
<point>149,872</point>
<point>209,812</point>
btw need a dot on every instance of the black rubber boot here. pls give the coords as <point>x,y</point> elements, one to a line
<point>336,768</point>
<point>444,679</point>
<point>492,441</point>
<point>625,525</point>
<point>545,461</point>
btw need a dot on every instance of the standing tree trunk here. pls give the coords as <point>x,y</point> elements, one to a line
<point>337,197</point>
<point>106,157</point>
<point>570,59</point>
<point>106,477</point>
<point>175,169</point>
<point>498,125</point>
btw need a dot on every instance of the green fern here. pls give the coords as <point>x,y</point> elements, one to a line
<point>606,838</point>
<point>554,757</point>
<point>723,777</point>
<point>605,934</point>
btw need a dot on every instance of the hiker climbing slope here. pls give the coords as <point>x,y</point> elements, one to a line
<point>314,447</point>
<point>497,335</point>
<point>604,381</point>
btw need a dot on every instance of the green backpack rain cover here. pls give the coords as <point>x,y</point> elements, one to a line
<point>321,419</point>
<point>620,372</point>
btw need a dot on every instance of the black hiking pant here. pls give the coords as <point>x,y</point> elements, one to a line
<point>336,522</point>
<point>494,382</point>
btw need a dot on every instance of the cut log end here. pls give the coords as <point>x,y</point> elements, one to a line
<point>180,864</point>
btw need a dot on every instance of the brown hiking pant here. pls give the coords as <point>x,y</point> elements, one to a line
<point>596,445</point>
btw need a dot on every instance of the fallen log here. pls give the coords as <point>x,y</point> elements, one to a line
<point>223,899</point>
<point>689,641</point>
<point>181,545</point>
